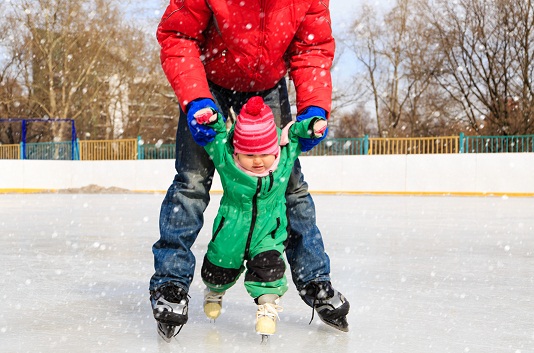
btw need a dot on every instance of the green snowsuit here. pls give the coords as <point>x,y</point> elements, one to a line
<point>251,224</point>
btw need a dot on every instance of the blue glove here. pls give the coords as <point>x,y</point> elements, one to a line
<point>312,112</point>
<point>202,134</point>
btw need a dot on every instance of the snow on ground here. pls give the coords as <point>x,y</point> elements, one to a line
<point>423,274</point>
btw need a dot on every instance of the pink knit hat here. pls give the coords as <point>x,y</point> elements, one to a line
<point>255,130</point>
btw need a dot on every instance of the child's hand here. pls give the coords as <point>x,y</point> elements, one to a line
<point>313,112</point>
<point>205,116</point>
<point>319,127</point>
<point>201,133</point>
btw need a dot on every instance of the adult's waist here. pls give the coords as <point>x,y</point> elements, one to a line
<point>233,77</point>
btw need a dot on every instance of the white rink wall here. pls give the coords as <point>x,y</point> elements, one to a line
<point>497,174</point>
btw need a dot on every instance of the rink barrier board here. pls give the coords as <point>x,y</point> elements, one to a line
<point>316,192</point>
<point>446,174</point>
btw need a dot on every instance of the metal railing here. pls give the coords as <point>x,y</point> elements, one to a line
<point>340,147</point>
<point>10,151</point>
<point>48,150</point>
<point>108,150</point>
<point>166,151</point>
<point>129,149</point>
<point>415,145</point>
<point>497,144</point>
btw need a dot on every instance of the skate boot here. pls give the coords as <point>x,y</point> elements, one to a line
<point>212,303</point>
<point>169,306</point>
<point>331,306</point>
<point>267,315</point>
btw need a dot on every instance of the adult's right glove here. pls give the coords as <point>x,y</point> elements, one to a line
<point>202,133</point>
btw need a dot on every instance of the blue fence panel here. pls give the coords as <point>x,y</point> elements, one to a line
<point>167,151</point>
<point>340,147</point>
<point>498,144</point>
<point>48,150</point>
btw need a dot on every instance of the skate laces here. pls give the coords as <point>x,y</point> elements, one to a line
<point>269,310</point>
<point>174,294</point>
<point>213,297</point>
<point>321,293</point>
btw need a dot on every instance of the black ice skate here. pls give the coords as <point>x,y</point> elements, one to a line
<point>331,306</point>
<point>169,306</point>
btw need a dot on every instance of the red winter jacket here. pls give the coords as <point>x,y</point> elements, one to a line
<point>248,45</point>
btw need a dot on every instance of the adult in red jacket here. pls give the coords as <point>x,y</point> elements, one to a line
<point>217,54</point>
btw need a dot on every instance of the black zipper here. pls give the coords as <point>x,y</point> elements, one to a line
<point>253,219</point>
<point>271,180</point>
<point>219,227</point>
<point>273,233</point>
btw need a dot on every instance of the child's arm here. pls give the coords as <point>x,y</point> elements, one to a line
<point>295,133</point>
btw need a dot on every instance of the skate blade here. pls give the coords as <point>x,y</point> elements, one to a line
<point>340,324</point>
<point>167,332</point>
<point>264,338</point>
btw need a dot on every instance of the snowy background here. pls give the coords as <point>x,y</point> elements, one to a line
<point>422,274</point>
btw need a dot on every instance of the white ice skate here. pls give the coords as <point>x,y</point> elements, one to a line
<point>212,303</point>
<point>267,315</point>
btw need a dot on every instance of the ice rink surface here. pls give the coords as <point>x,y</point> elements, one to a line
<point>422,274</point>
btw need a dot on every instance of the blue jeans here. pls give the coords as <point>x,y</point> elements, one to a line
<point>181,215</point>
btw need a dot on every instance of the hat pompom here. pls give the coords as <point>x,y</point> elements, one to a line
<point>254,105</point>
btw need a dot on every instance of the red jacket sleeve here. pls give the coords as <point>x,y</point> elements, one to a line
<point>310,57</point>
<point>179,33</point>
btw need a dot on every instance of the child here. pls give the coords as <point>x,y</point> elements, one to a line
<point>250,229</point>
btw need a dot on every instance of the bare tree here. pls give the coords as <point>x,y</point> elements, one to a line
<point>487,49</point>
<point>62,53</point>
<point>394,53</point>
<point>364,41</point>
<point>398,60</point>
<point>356,122</point>
<point>84,60</point>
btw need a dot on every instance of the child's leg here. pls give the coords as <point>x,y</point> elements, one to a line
<point>217,280</point>
<point>265,281</point>
<point>265,274</point>
<point>267,313</point>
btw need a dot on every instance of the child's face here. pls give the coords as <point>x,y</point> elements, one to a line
<point>257,163</point>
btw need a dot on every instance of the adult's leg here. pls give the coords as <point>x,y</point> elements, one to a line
<point>181,214</point>
<point>305,249</point>
<point>310,265</point>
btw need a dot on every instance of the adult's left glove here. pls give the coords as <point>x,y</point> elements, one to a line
<point>202,133</point>
<point>312,112</point>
